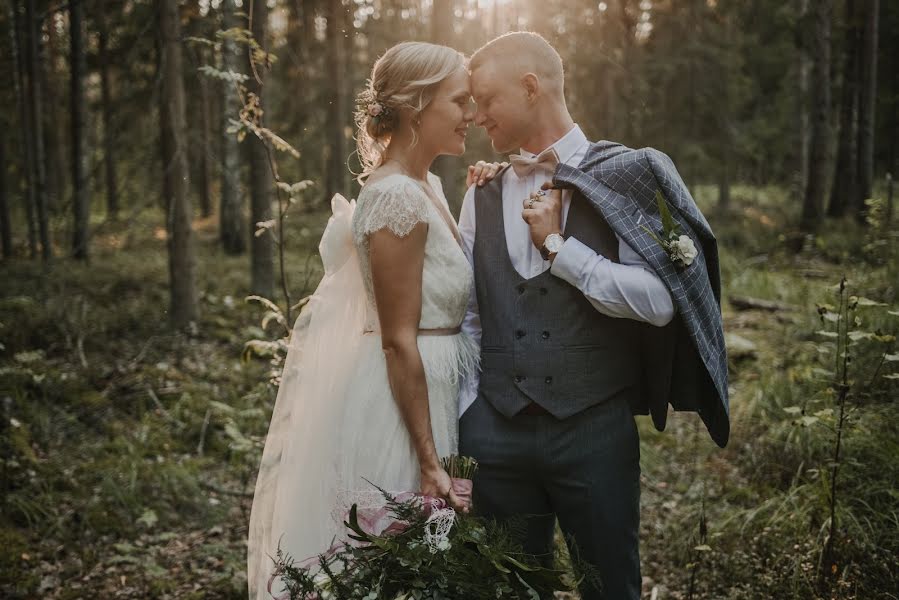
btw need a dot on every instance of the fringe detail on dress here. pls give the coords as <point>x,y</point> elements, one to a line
<point>449,358</point>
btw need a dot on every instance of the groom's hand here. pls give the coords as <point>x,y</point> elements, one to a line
<point>544,214</point>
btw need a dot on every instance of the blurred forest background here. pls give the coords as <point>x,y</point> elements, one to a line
<point>161,161</point>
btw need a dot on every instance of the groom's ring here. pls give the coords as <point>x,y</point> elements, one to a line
<point>541,193</point>
<point>531,202</point>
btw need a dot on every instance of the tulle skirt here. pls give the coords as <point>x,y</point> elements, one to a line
<point>375,449</point>
<point>378,446</point>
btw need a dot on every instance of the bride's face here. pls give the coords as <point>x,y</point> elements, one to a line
<point>445,121</point>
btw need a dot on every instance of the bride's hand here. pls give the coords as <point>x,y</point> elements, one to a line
<point>436,483</point>
<point>482,172</point>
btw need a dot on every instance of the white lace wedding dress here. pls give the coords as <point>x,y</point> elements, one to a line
<point>336,426</point>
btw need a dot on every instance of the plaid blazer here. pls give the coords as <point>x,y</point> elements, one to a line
<point>684,362</point>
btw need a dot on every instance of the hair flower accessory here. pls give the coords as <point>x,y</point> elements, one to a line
<point>375,109</point>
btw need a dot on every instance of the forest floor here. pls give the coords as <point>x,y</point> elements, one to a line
<point>129,452</point>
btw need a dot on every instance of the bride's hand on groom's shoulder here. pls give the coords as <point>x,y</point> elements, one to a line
<point>481,172</point>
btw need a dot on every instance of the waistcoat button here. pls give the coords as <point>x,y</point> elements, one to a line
<point>543,291</point>
<point>519,334</point>
<point>549,380</point>
<point>521,289</point>
<point>545,335</point>
<point>519,378</point>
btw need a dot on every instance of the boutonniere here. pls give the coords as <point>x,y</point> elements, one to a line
<point>680,247</point>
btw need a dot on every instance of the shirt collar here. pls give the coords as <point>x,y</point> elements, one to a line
<point>565,146</point>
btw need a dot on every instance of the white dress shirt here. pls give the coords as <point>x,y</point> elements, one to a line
<point>629,289</point>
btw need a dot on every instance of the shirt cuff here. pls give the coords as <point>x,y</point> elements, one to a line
<point>572,261</point>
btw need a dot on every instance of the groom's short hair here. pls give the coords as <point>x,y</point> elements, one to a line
<point>526,50</point>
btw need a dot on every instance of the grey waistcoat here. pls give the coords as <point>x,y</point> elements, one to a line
<point>542,341</point>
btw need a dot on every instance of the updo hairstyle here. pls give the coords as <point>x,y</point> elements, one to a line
<point>402,82</point>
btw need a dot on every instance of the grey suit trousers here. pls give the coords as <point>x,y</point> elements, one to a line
<point>585,470</point>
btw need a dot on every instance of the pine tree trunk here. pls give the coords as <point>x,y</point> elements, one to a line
<point>80,196</point>
<point>37,127</point>
<point>262,274</point>
<point>17,39</point>
<point>892,132</point>
<point>726,136</point>
<point>867,105</point>
<point>337,171</point>
<point>446,167</point>
<point>5,225</point>
<point>109,156</point>
<point>690,170</point>
<point>54,139</point>
<point>846,172</point>
<point>803,68</point>
<point>166,145</point>
<point>309,15</point>
<point>816,192</point>
<point>299,37</point>
<point>183,297</point>
<point>233,230</point>
<point>205,175</point>
<point>198,108</point>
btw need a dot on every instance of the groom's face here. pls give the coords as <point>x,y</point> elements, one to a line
<point>503,109</point>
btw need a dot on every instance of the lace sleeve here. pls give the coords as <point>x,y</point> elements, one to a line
<point>398,207</point>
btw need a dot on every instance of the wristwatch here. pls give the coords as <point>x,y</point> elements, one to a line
<point>551,245</point>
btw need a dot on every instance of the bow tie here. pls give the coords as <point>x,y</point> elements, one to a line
<point>524,166</point>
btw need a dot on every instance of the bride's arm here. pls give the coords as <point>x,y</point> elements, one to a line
<point>396,265</point>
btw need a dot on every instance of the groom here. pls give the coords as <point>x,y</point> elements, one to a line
<point>583,318</point>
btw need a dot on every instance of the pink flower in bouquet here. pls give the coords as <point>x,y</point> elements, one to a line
<point>463,488</point>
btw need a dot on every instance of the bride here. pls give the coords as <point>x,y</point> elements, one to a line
<point>368,394</point>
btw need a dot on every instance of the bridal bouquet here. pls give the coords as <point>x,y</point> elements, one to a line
<point>428,551</point>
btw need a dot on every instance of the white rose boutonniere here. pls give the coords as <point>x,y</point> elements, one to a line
<point>680,248</point>
<point>685,250</point>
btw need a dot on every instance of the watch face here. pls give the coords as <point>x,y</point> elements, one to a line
<point>554,242</point>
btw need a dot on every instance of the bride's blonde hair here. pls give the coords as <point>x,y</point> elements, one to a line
<point>404,78</point>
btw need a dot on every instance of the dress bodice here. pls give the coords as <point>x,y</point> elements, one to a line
<point>398,203</point>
